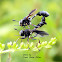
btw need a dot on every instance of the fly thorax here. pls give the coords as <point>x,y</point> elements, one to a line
<point>21,33</point>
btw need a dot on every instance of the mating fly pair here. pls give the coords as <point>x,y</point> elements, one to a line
<point>27,21</point>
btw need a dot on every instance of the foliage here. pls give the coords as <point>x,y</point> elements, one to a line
<point>12,47</point>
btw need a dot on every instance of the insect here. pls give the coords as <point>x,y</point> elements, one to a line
<point>28,32</point>
<point>26,20</point>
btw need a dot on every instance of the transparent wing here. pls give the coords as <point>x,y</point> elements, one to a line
<point>30,14</point>
<point>42,33</point>
<point>32,11</point>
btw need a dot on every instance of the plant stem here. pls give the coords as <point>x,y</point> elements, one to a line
<point>12,50</point>
<point>0,57</point>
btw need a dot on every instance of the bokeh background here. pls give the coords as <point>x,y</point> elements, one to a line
<point>18,9</point>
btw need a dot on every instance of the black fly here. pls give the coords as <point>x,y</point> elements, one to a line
<point>28,32</point>
<point>26,20</point>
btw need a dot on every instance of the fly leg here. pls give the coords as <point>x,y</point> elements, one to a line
<point>24,27</point>
<point>28,42</point>
<point>32,38</point>
<point>37,45</point>
<point>17,39</point>
<point>28,26</point>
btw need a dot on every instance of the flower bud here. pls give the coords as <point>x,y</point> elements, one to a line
<point>53,39</point>
<point>44,43</point>
<point>9,45</point>
<point>0,45</point>
<point>35,49</point>
<point>17,46</point>
<point>3,46</point>
<point>39,45</point>
<point>52,42</point>
<point>31,45</point>
<point>22,45</point>
<point>14,45</point>
<point>48,46</point>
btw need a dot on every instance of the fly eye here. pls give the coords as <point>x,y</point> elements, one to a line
<point>28,18</point>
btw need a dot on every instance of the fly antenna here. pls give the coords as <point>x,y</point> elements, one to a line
<point>16,29</point>
<point>15,20</point>
<point>16,25</point>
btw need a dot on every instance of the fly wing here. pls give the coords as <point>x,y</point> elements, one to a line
<point>42,33</point>
<point>30,14</point>
<point>32,11</point>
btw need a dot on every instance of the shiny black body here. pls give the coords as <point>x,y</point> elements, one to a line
<point>41,23</point>
<point>27,33</point>
<point>25,22</point>
<point>43,13</point>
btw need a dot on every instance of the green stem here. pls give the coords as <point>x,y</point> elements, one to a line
<point>12,50</point>
<point>0,57</point>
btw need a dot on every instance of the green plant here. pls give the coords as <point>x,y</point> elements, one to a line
<point>12,47</point>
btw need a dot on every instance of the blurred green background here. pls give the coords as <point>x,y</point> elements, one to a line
<point>18,9</point>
